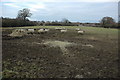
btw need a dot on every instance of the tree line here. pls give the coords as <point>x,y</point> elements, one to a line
<point>9,22</point>
<point>23,15</point>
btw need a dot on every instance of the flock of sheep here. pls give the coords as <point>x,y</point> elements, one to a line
<point>22,32</point>
<point>63,30</point>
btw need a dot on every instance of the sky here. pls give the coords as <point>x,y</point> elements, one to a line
<point>51,10</point>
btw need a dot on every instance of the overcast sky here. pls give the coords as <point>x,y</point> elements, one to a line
<point>51,10</point>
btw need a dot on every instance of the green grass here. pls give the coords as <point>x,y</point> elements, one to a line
<point>68,27</point>
<point>89,30</point>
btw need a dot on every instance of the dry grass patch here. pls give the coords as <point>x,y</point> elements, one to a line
<point>61,44</point>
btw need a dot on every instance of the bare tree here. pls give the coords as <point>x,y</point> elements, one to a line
<point>23,14</point>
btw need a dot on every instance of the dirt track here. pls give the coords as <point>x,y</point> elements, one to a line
<point>23,58</point>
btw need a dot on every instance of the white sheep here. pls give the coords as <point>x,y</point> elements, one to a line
<point>77,29</point>
<point>18,33</point>
<point>30,31</point>
<point>19,30</point>
<point>58,28</point>
<point>63,30</point>
<point>41,31</point>
<point>81,32</point>
<point>46,30</point>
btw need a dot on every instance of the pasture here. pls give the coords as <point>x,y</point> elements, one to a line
<point>61,55</point>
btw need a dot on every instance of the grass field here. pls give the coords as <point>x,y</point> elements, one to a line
<point>92,55</point>
<point>93,30</point>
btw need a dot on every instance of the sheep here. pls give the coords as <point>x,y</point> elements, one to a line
<point>41,31</point>
<point>58,28</point>
<point>77,29</point>
<point>30,31</point>
<point>46,30</point>
<point>63,30</point>
<point>81,32</point>
<point>18,33</point>
<point>20,30</point>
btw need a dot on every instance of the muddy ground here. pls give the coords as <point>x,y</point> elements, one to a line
<point>29,57</point>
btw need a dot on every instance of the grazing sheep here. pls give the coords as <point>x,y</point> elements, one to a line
<point>46,30</point>
<point>41,31</point>
<point>30,31</point>
<point>81,32</point>
<point>77,29</point>
<point>20,30</point>
<point>18,33</point>
<point>63,30</point>
<point>58,28</point>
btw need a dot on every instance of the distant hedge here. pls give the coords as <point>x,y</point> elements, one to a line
<point>7,22</point>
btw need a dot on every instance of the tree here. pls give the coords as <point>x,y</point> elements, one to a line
<point>23,14</point>
<point>64,20</point>
<point>108,22</point>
